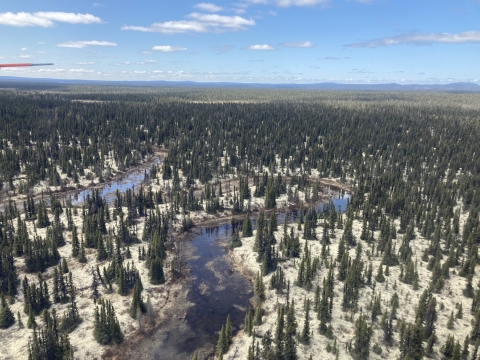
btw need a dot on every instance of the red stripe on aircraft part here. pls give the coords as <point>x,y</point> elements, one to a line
<point>15,65</point>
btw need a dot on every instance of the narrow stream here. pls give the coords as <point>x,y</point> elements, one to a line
<point>129,180</point>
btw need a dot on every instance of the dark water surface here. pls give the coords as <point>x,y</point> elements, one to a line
<point>216,291</point>
<point>216,288</point>
<point>131,179</point>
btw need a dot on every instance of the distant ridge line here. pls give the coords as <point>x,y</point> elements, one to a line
<point>455,87</point>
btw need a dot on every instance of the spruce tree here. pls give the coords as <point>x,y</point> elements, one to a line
<point>362,336</point>
<point>247,229</point>
<point>248,322</point>
<point>380,278</point>
<point>259,288</point>
<point>305,336</point>
<point>222,343</point>
<point>7,318</point>
<point>290,333</point>
<point>101,251</point>
<point>82,258</point>
<point>279,339</point>
<point>106,328</point>
<point>430,317</point>
<point>235,242</point>
<point>20,322</point>
<point>137,301</point>
<point>75,242</point>
<point>157,276</point>
<point>229,330</point>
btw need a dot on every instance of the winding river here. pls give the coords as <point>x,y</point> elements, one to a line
<point>215,288</point>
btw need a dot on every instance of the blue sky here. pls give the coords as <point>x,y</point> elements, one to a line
<point>267,41</point>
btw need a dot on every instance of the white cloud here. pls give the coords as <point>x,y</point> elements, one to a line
<point>46,19</point>
<point>25,56</point>
<point>41,42</point>
<point>421,39</point>
<point>83,44</point>
<point>85,63</point>
<point>51,70</point>
<point>81,71</point>
<point>15,69</point>
<point>261,47</point>
<point>98,5</point>
<point>147,62</point>
<point>168,48</point>
<point>200,23</point>
<point>139,72</point>
<point>288,3</point>
<point>23,49</point>
<point>305,44</point>
<point>208,7</point>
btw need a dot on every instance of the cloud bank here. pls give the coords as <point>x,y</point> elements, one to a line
<point>208,7</point>
<point>305,44</point>
<point>168,48</point>
<point>420,39</point>
<point>261,47</point>
<point>46,19</point>
<point>84,44</point>
<point>288,3</point>
<point>199,23</point>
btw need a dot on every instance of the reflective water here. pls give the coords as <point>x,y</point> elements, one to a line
<point>131,179</point>
<point>217,290</point>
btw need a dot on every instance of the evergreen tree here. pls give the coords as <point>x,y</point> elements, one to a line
<point>430,317</point>
<point>290,333</point>
<point>247,229</point>
<point>362,336</point>
<point>236,242</point>
<point>157,276</point>
<point>248,322</point>
<point>279,339</point>
<point>48,343</point>
<point>137,301</point>
<point>259,288</point>
<point>82,258</point>
<point>258,315</point>
<point>75,242</point>
<point>305,336</point>
<point>380,278</point>
<point>7,318</point>
<point>106,328</point>
<point>411,342</point>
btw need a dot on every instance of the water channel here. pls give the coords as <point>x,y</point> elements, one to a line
<point>216,289</point>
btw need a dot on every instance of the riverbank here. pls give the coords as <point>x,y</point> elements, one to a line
<point>171,301</point>
<point>84,186</point>
<point>343,321</point>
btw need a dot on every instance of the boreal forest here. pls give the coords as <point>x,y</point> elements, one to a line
<point>352,218</point>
